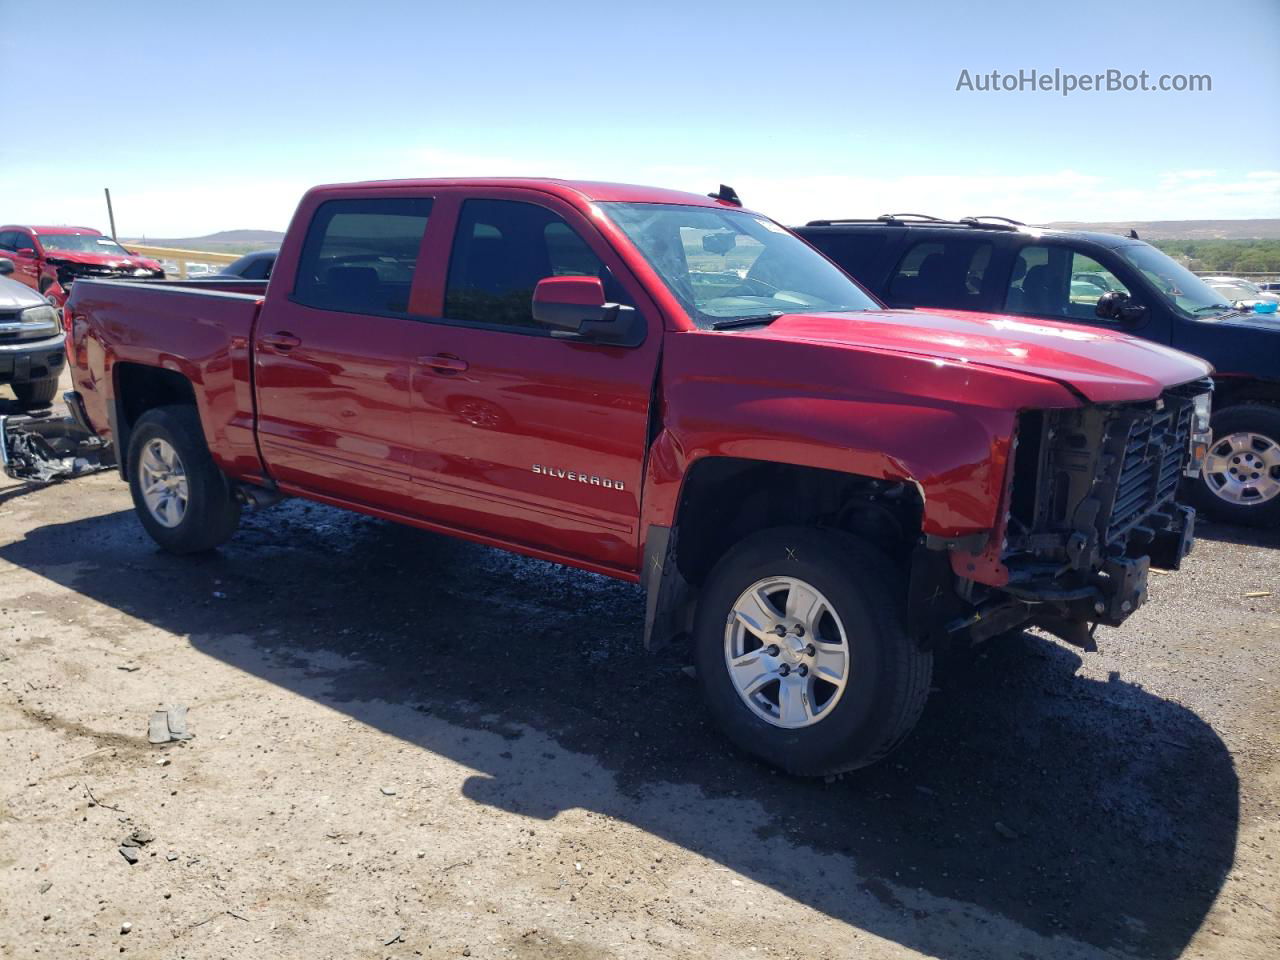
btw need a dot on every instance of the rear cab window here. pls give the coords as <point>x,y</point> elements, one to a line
<point>359,255</point>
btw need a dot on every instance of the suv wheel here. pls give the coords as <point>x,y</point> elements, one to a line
<point>802,655</point>
<point>183,500</point>
<point>36,393</point>
<point>1240,482</point>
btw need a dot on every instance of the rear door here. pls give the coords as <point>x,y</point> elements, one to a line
<point>333,358</point>
<point>521,435</point>
<point>950,270</point>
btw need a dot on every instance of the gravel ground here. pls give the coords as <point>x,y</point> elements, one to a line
<point>409,746</point>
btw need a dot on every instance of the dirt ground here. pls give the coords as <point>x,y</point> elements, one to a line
<point>409,746</point>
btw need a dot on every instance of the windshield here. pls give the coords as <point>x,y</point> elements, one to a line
<point>727,264</point>
<point>1234,291</point>
<point>82,243</point>
<point>1187,293</point>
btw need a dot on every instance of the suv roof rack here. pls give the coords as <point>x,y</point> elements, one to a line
<point>984,222</point>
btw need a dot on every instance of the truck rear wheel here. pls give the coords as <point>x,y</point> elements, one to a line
<point>802,655</point>
<point>36,393</point>
<point>1240,482</point>
<point>183,500</point>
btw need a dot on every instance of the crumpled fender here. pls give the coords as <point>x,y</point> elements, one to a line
<point>944,426</point>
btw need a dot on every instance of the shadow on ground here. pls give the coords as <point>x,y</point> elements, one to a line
<point>1122,806</point>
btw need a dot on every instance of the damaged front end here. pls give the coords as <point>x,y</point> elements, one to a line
<point>69,271</point>
<point>1091,507</point>
<point>46,448</point>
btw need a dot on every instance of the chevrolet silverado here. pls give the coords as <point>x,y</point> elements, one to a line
<point>669,389</point>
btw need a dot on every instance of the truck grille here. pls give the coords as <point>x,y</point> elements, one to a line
<point>1154,455</point>
<point>1086,479</point>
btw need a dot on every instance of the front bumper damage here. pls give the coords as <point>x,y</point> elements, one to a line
<point>47,448</point>
<point>1091,508</point>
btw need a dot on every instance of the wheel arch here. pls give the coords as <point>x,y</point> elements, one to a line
<point>137,388</point>
<point>724,499</point>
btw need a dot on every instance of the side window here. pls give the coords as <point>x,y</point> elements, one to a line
<point>6,240</point>
<point>501,249</point>
<point>359,255</point>
<point>259,269</point>
<point>856,253</point>
<point>1089,281</point>
<point>1038,284</point>
<point>941,273</point>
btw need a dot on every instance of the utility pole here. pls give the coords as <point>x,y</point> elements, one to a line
<point>110,213</point>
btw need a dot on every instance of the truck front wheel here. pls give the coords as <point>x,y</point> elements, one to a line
<point>183,500</point>
<point>1240,482</point>
<point>801,651</point>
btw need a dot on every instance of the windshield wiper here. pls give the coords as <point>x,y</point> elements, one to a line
<point>1213,306</point>
<point>759,318</point>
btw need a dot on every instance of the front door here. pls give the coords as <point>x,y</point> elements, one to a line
<point>334,358</point>
<point>1059,281</point>
<point>522,435</point>
<point>26,261</point>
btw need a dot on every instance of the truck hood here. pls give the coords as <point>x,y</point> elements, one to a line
<point>1103,366</point>
<point>101,259</point>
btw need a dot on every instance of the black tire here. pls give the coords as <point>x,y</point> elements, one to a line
<point>889,674</point>
<point>1257,418</point>
<point>36,394</point>
<point>212,512</point>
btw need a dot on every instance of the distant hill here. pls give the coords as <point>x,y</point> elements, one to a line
<point>1262,229</point>
<point>225,241</point>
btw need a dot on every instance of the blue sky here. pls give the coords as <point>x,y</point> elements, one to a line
<point>212,117</point>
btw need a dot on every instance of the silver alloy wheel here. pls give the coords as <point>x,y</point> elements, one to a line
<point>163,480</point>
<point>1243,468</point>
<point>787,652</point>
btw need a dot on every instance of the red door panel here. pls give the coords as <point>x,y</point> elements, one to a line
<point>540,441</point>
<point>333,402</point>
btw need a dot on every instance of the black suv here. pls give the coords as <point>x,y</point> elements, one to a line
<point>998,266</point>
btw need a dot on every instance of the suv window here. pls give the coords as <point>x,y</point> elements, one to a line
<point>1089,281</point>
<point>501,249</point>
<point>6,240</point>
<point>1058,282</point>
<point>855,252</point>
<point>359,255</point>
<point>941,273</point>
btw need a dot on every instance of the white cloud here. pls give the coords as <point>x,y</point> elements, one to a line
<point>192,208</point>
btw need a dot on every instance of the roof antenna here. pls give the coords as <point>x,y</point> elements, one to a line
<point>726,194</point>
<point>1133,234</point>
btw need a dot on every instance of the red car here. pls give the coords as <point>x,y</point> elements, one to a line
<point>50,259</point>
<point>665,388</point>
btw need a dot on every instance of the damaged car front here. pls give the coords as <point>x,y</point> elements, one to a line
<point>73,256</point>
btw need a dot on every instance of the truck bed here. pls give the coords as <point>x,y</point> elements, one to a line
<point>201,330</point>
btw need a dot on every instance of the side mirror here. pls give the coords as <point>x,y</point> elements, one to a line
<point>575,308</point>
<point>6,266</point>
<point>26,252</point>
<point>1117,306</point>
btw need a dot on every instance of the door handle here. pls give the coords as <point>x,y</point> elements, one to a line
<point>444,363</point>
<point>281,340</point>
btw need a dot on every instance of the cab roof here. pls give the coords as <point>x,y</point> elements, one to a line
<point>589,190</point>
<point>52,230</point>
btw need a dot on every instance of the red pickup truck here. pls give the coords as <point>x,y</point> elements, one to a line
<point>672,390</point>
